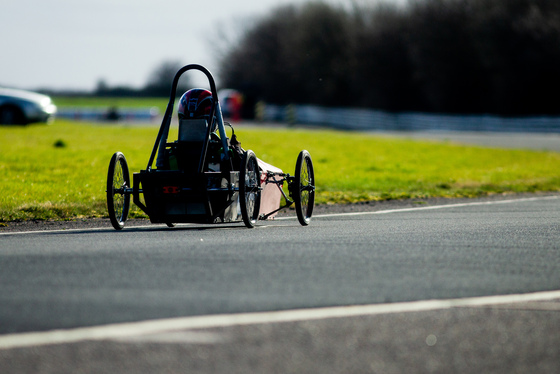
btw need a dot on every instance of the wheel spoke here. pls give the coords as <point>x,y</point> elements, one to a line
<point>250,184</point>
<point>303,187</point>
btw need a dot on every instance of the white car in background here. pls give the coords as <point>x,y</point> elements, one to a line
<point>19,107</point>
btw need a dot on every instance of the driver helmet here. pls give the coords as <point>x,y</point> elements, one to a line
<point>195,103</point>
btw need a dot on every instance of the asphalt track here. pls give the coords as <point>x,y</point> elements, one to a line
<point>468,287</point>
<point>516,140</point>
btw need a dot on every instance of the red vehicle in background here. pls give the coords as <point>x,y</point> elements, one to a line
<point>232,103</point>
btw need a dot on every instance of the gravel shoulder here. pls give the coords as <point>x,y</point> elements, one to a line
<point>368,206</point>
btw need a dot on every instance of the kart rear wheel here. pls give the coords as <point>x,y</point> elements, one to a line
<point>249,189</point>
<point>118,200</point>
<point>304,188</point>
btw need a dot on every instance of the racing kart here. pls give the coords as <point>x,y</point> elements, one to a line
<point>206,177</point>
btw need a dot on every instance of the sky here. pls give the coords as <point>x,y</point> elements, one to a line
<point>74,44</point>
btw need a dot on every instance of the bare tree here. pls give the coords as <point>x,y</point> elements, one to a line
<point>161,78</point>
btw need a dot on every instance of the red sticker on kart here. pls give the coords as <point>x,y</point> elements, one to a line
<point>171,189</point>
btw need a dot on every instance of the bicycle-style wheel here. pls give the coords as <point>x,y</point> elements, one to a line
<point>118,199</point>
<point>304,188</point>
<point>249,189</point>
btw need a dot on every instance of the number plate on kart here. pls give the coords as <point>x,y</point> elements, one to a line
<point>171,190</point>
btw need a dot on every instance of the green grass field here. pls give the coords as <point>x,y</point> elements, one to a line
<point>59,171</point>
<point>108,102</point>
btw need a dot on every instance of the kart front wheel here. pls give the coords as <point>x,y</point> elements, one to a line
<point>304,188</point>
<point>249,189</point>
<point>118,199</point>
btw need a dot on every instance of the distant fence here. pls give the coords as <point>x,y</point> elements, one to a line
<point>109,114</point>
<point>371,120</point>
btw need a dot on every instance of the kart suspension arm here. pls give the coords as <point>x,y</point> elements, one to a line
<point>270,178</point>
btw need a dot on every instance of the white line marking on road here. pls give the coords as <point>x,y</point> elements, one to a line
<point>132,329</point>
<point>400,210</point>
<point>75,230</point>
<point>433,207</point>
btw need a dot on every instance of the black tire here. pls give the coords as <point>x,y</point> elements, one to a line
<point>118,200</point>
<point>249,189</point>
<point>11,115</point>
<point>304,188</point>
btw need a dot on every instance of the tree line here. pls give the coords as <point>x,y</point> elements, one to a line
<point>446,56</point>
<point>158,83</point>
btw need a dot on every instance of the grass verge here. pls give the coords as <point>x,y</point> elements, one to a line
<point>59,171</point>
<point>109,102</point>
